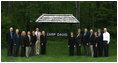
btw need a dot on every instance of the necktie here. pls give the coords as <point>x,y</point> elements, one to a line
<point>84,33</point>
<point>37,36</point>
<point>11,34</point>
<point>90,35</point>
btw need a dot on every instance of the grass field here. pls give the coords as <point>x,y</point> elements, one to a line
<point>57,51</point>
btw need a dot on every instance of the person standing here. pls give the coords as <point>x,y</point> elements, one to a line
<point>9,38</point>
<point>16,40</point>
<point>95,44</point>
<point>106,40</point>
<point>100,43</point>
<point>28,44</point>
<point>37,33</point>
<point>71,44</point>
<point>33,43</point>
<point>91,41</point>
<point>78,42</point>
<point>86,41</point>
<point>43,42</point>
<point>23,43</point>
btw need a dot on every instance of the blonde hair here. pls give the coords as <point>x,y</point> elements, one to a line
<point>23,33</point>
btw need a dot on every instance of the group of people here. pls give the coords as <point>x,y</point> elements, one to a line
<point>31,44</point>
<point>97,41</point>
<point>35,43</point>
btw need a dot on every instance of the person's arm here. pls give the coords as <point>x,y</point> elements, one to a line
<point>14,39</point>
<point>108,38</point>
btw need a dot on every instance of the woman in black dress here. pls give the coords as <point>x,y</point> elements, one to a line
<point>95,44</point>
<point>43,42</point>
<point>33,40</point>
<point>71,44</point>
<point>78,42</point>
<point>23,41</point>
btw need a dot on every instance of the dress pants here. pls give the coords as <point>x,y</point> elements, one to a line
<point>38,47</point>
<point>92,50</point>
<point>105,48</point>
<point>78,49</point>
<point>100,49</point>
<point>33,50</point>
<point>16,50</point>
<point>28,50</point>
<point>86,50</point>
<point>9,49</point>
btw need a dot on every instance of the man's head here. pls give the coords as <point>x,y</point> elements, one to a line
<point>85,30</point>
<point>11,29</point>
<point>105,29</point>
<point>99,31</point>
<point>17,31</point>
<point>91,30</point>
<point>79,30</point>
<point>28,32</point>
<point>37,29</point>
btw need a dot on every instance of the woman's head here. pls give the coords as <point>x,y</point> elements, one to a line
<point>23,33</point>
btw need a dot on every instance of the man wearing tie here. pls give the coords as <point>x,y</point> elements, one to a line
<point>100,43</point>
<point>9,38</point>
<point>106,40</point>
<point>91,40</point>
<point>86,41</point>
<point>37,33</point>
<point>28,44</point>
<point>16,40</point>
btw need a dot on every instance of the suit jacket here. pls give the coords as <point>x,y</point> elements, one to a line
<point>79,39</point>
<point>71,41</point>
<point>33,40</point>
<point>43,39</point>
<point>86,38</point>
<point>100,38</point>
<point>23,41</point>
<point>16,39</point>
<point>9,38</point>
<point>95,40</point>
<point>28,42</point>
<point>91,39</point>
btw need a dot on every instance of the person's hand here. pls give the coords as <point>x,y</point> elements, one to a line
<point>14,44</point>
<point>96,45</point>
<point>87,44</point>
<point>42,44</point>
<point>23,46</point>
<point>68,46</point>
<point>79,44</point>
<point>30,43</point>
<point>74,46</point>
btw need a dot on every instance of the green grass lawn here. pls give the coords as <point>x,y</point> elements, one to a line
<point>57,51</point>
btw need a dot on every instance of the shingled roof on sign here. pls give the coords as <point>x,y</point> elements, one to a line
<point>57,18</point>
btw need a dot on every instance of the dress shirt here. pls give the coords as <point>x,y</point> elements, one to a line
<point>106,37</point>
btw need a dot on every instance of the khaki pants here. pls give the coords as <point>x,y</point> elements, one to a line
<point>28,50</point>
<point>37,47</point>
<point>92,52</point>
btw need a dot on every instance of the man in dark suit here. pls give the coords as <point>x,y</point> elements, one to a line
<point>78,42</point>
<point>28,44</point>
<point>91,41</point>
<point>16,40</point>
<point>100,43</point>
<point>9,38</point>
<point>86,41</point>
